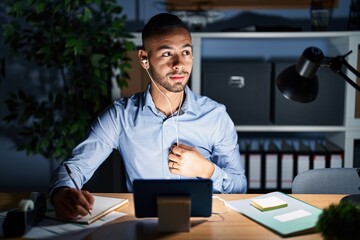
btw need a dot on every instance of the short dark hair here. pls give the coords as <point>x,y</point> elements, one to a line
<point>161,23</point>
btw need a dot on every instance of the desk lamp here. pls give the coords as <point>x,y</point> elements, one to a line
<point>300,83</point>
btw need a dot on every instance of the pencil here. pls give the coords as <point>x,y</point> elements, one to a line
<point>73,180</point>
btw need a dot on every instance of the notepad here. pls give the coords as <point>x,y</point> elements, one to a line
<point>268,203</point>
<point>102,206</point>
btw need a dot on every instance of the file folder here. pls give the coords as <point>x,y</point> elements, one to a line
<point>297,218</point>
<point>287,164</point>
<point>318,156</point>
<point>271,155</point>
<point>335,155</point>
<point>242,148</point>
<point>254,162</point>
<point>303,157</point>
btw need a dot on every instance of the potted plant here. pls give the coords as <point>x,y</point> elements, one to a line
<point>340,222</point>
<point>84,41</point>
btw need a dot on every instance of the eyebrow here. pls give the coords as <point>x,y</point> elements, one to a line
<point>187,45</point>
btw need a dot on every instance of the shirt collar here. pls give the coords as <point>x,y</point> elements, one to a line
<point>189,105</point>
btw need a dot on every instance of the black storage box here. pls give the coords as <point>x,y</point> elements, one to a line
<point>242,86</point>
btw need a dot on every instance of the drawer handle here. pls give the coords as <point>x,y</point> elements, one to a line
<point>236,81</point>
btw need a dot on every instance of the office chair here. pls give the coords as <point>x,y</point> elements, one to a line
<point>328,181</point>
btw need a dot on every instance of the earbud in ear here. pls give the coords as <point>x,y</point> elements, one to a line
<point>144,61</point>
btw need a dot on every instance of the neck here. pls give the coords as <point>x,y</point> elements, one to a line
<point>169,104</point>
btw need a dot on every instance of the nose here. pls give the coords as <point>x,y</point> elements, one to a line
<point>178,63</point>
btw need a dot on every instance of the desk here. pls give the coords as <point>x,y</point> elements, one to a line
<point>230,225</point>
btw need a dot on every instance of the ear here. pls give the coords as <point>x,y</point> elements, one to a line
<point>143,58</point>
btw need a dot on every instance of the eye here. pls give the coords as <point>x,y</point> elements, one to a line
<point>166,54</point>
<point>186,53</point>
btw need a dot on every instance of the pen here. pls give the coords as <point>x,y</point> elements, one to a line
<point>73,180</point>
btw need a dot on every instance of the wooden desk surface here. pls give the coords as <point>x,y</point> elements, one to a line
<point>228,225</point>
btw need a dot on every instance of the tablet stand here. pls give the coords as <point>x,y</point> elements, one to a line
<point>174,214</point>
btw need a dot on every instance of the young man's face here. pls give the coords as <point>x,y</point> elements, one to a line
<point>170,59</point>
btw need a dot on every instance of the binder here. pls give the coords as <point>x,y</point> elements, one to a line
<point>335,155</point>
<point>242,149</point>
<point>287,164</point>
<point>318,156</point>
<point>253,161</point>
<point>271,156</point>
<point>303,156</point>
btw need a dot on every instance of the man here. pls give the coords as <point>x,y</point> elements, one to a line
<point>166,132</point>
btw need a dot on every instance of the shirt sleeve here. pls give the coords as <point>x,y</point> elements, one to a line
<point>89,154</point>
<point>229,175</point>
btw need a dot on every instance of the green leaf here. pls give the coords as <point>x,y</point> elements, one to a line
<point>43,50</point>
<point>115,9</point>
<point>87,15</point>
<point>17,9</point>
<point>76,46</point>
<point>9,30</point>
<point>96,58</point>
<point>40,6</point>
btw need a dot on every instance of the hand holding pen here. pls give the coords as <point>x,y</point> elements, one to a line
<point>73,180</point>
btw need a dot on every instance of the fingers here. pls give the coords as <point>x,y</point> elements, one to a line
<point>70,203</point>
<point>175,155</point>
<point>186,147</point>
<point>173,164</point>
<point>181,148</point>
<point>63,204</point>
<point>89,199</point>
<point>83,202</point>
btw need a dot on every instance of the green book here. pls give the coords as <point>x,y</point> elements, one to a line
<point>282,213</point>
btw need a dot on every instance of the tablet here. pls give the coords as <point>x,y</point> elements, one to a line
<point>146,192</point>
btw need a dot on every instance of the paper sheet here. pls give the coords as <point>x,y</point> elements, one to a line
<point>49,228</point>
<point>292,215</point>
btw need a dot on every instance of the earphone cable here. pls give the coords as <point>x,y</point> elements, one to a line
<point>170,106</point>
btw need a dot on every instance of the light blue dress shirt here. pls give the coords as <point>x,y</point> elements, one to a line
<point>143,135</point>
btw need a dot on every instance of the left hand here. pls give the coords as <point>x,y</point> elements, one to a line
<point>187,161</point>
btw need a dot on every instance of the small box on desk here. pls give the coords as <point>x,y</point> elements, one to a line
<point>326,109</point>
<point>242,86</point>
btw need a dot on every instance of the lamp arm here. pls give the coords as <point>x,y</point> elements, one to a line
<point>348,80</point>
<point>336,63</point>
<point>351,68</point>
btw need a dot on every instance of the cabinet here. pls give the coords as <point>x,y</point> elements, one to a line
<point>285,45</point>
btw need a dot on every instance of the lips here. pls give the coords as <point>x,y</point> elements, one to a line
<point>177,77</point>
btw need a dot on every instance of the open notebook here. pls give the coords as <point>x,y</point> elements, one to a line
<point>102,206</point>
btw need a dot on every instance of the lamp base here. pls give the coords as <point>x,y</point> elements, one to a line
<point>353,199</point>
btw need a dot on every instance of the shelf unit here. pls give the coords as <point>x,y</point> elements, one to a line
<point>267,45</point>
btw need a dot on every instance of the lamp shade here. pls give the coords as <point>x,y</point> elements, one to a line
<point>299,82</point>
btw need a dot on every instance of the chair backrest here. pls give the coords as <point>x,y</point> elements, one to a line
<point>328,181</point>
